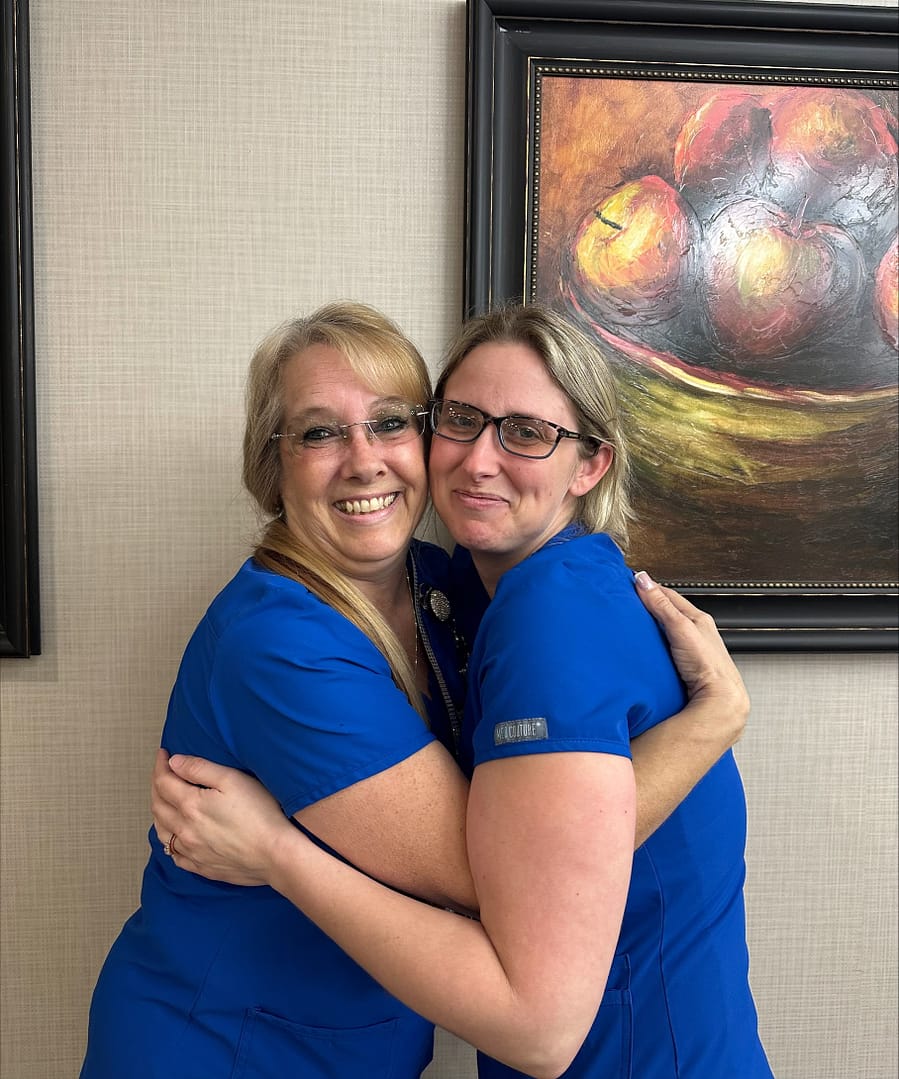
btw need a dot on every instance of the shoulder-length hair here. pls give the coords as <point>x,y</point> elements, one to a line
<point>576,364</point>
<point>385,360</point>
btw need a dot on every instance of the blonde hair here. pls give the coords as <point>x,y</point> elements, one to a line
<point>577,366</point>
<point>386,361</point>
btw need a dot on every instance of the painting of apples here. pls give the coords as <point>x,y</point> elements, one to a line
<point>733,247</point>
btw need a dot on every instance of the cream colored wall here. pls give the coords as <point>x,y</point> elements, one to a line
<point>202,170</point>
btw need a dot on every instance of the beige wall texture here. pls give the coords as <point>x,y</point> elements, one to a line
<point>202,170</point>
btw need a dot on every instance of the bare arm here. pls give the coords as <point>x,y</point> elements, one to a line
<point>404,826</point>
<point>527,998</point>
<point>671,758</point>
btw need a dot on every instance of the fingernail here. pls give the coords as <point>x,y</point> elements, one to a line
<point>175,760</point>
<point>644,581</point>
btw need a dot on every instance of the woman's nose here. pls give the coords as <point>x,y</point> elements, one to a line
<point>362,451</point>
<point>484,455</point>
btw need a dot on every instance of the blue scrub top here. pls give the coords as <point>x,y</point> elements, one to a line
<point>568,659</point>
<point>208,980</point>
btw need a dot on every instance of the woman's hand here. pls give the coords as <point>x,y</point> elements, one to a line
<point>699,653</point>
<point>225,824</point>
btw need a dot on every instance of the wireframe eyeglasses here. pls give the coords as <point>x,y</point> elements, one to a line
<point>392,424</point>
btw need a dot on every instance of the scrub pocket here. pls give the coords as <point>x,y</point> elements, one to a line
<point>610,1044</point>
<point>608,1049</point>
<point>274,1048</point>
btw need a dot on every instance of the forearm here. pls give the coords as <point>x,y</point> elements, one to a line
<point>525,985</point>
<point>402,943</point>
<point>671,758</point>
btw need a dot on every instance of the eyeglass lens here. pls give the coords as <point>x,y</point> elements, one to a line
<point>394,423</point>
<point>521,435</point>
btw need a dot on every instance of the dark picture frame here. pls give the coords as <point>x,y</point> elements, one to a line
<point>19,611</point>
<point>515,47</point>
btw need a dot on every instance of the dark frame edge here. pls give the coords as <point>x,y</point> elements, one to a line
<point>478,153</point>
<point>20,634</point>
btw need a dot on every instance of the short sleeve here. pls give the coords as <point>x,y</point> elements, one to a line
<point>307,703</point>
<point>567,659</point>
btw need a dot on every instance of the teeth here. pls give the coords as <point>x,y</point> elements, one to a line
<point>366,505</point>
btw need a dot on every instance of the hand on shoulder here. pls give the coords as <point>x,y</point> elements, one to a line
<point>697,648</point>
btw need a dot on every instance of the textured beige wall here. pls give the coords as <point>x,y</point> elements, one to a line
<point>201,170</point>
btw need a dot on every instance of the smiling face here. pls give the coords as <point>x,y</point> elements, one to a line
<point>358,502</point>
<point>500,506</point>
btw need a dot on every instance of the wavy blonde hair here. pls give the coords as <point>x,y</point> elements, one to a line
<point>387,362</point>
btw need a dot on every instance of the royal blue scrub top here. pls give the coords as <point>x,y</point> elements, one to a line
<point>212,981</point>
<point>567,659</point>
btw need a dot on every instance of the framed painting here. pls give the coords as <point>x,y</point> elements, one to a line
<point>19,619</point>
<point>710,191</point>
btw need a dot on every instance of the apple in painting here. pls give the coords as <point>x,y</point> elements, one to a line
<point>776,284</point>
<point>721,152</point>
<point>835,150</point>
<point>633,255</point>
<point>886,294</point>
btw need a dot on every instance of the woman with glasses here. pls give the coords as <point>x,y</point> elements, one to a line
<point>316,670</point>
<point>329,668</point>
<point>588,959</point>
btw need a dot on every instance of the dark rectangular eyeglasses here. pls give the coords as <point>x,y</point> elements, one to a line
<point>523,436</point>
